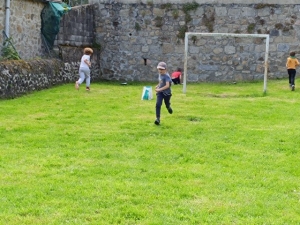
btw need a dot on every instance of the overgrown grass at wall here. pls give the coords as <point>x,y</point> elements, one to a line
<point>227,155</point>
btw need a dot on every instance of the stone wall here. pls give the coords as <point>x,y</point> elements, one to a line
<point>136,36</point>
<point>25,26</point>
<point>77,27</point>
<point>77,31</point>
<point>19,77</point>
<point>246,2</point>
<point>2,21</point>
<point>34,73</point>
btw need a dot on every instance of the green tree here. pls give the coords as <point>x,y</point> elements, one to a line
<point>8,51</point>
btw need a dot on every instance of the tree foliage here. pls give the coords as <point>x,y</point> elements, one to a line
<point>8,51</point>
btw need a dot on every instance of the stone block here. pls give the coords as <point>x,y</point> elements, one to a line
<point>158,12</point>
<point>260,48</point>
<point>221,11</point>
<point>198,12</point>
<point>167,48</point>
<point>145,48</point>
<point>234,12</point>
<point>208,67</point>
<point>217,50</point>
<point>263,12</point>
<point>229,50</point>
<point>124,13</point>
<point>283,47</point>
<point>194,50</point>
<point>248,12</point>
<point>223,30</point>
<point>274,32</point>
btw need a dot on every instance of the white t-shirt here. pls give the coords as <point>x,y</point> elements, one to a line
<point>83,58</point>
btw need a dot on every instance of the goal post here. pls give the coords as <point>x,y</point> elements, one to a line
<point>186,41</point>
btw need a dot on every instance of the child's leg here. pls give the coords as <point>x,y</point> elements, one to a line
<point>167,99</point>
<point>168,103</point>
<point>293,74</point>
<point>87,78</point>
<point>159,99</point>
<point>293,79</point>
<point>81,76</point>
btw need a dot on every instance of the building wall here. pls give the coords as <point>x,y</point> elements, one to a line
<point>2,21</point>
<point>136,36</point>
<point>247,2</point>
<point>77,27</point>
<point>25,26</point>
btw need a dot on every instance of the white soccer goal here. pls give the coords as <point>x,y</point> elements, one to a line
<point>187,34</point>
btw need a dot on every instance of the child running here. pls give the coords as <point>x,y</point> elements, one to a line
<point>291,64</point>
<point>84,69</point>
<point>163,90</point>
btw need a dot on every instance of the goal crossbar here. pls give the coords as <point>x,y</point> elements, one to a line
<point>187,34</point>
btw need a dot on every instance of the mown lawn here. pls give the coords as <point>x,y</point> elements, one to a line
<point>227,155</point>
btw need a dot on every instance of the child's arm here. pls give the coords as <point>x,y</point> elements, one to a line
<point>88,62</point>
<point>164,87</point>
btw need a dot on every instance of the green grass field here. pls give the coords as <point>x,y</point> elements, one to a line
<point>227,155</point>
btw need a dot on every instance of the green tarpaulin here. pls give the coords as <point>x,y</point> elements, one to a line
<point>51,16</point>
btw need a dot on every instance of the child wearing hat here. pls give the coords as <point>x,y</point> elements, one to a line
<point>163,90</point>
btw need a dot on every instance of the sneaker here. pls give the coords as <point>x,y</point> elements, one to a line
<point>170,110</point>
<point>157,122</point>
<point>87,88</point>
<point>293,87</point>
<point>77,85</point>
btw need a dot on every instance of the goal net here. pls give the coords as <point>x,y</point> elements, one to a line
<point>227,56</point>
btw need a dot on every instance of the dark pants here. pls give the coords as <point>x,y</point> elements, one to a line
<point>159,99</point>
<point>292,75</point>
<point>176,80</point>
